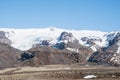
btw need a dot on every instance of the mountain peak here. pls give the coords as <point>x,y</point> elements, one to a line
<point>51,28</point>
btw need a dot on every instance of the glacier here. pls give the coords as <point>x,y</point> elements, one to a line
<point>24,39</point>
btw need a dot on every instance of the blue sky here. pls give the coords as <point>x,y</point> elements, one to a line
<point>101,15</point>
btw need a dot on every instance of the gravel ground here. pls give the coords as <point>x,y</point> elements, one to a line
<point>61,72</point>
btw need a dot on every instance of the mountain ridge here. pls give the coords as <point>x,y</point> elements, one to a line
<point>44,33</point>
<point>92,46</point>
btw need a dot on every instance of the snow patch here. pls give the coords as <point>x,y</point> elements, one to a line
<point>67,68</point>
<point>89,76</point>
<point>118,51</point>
<point>72,49</point>
<point>93,48</point>
<point>87,65</point>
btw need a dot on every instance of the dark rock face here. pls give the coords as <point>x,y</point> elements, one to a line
<point>109,55</point>
<point>115,39</point>
<point>113,48</point>
<point>68,37</point>
<point>3,38</point>
<point>42,43</point>
<point>91,40</point>
<point>61,45</point>
<point>8,56</point>
<point>45,42</point>
<point>44,55</point>
<point>105,57</point>
<point>114,42</point>
<point>84,38</point>
<point>26,55</point>
<point>68,41</point>
<point>65,36</point>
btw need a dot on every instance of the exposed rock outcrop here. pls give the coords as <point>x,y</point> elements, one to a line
<point>115,39</point>
<point>69,42</point>
<point>105,57</point>
<point>44,55</point>
<point>3,38</point>
<point>109,55</point>
<point>92,42</point>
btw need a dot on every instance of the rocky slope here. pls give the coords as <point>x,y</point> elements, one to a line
<point>111,54</point>
<point>69,42</point>
<point>8,56</point>
<point>47,55</point>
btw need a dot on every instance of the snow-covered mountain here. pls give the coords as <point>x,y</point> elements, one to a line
<point>111,53</point>
<point>24,39</point>
<point>95,46</point>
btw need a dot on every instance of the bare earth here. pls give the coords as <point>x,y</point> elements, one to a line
<point>61,72</point>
